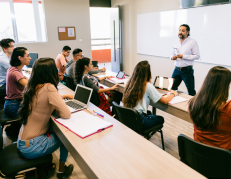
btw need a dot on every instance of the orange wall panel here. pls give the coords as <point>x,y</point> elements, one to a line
<point>102,56</point>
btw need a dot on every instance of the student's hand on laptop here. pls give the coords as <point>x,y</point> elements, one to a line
<point>67,96</point>
<point>114,87</point>
<point>103,69</point>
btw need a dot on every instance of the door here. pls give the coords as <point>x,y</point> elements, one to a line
<point>116,50</point>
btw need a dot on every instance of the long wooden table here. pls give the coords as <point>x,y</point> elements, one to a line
<point>179,110</point>
<point>119,152</point>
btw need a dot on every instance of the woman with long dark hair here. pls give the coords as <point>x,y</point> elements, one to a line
<point>139,91</point>
<point>40,99</point>
<point>81,70</point>
<point>210,111</point>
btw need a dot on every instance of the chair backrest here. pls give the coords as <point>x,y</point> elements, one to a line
<point>94,63</point>
<point>94,96</point>
<point>212,162</point>
<point>129,117</point>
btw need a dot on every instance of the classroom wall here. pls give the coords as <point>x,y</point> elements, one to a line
<point>159,65</point>
<point>64,13</point>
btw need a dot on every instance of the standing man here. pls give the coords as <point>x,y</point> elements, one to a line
<point>77,54</point>
<point>185,51</point>
<point>7,49</point>
<point>61,61</point>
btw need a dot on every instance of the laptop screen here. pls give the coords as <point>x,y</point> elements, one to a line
<point>33,56</point>
<point>82,94</point>
<point>164,83</point>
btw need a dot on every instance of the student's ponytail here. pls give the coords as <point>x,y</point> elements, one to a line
<point>79,69</point>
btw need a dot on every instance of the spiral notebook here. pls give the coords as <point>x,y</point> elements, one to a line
<point>84,124</point>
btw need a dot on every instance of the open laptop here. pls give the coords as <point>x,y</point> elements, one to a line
<point>163,84</point>
<point>81,99</point>
<point>33,56</point>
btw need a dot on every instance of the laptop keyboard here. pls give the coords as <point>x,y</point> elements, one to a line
<point>73,105</point>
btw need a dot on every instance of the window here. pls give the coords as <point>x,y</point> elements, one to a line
<point>22,20</point>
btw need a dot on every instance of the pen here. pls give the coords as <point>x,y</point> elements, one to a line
<point>98,114</point>
<point>89,111</point>
<point>104,65</point>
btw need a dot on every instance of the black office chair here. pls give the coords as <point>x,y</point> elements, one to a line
<point>12,162</point>
<point>212,162</point>
<point>95,63</point>
<point>4,120</point>
<point>94,96</point>
<point>131,118</point>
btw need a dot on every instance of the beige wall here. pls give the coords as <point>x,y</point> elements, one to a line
<point>160,66</point>
<point>64,13</point>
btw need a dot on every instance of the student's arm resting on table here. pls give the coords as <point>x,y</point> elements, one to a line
<point>108,89</point>
<point>167,99</point>
<point>95,71</point>
<point>55,99</point>
<point>155,96</point>
<point>89,83</point>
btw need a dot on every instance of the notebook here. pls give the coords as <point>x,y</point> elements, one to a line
<point>177,99</point>
<point>163,84</point>
<point>118,81</point>
<point>84,124</point>
<point>81,99</point>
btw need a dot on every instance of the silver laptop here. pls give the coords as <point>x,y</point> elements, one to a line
<point>81,98</point>
<point>163,84</point>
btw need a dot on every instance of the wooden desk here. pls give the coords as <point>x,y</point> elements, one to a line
<point>118,152</point>
<point>179,110</point>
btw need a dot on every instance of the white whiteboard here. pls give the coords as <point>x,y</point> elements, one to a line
<point>210,27</point>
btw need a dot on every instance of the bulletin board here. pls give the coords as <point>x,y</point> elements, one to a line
<point>66,33</point>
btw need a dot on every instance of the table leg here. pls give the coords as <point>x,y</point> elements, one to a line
<point>153,111</point>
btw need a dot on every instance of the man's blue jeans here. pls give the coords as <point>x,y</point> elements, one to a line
<point>185,74</point>
<point>41,146</point>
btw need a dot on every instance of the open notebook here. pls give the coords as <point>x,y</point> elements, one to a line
<point>177,99</point>
<point>84,124</point>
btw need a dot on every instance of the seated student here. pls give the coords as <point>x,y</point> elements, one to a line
<point>139,91</point>
<point>210,111</point>
<point>82,68</point>
<point>40,99</point>
<point>7,49</point>
<point>15,83</point>
<point>61,61</point>
<point>77,54</point>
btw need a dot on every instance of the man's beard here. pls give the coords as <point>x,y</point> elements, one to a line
<point>181,37</point>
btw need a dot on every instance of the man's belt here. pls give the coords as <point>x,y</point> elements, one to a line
<point>183,68</point>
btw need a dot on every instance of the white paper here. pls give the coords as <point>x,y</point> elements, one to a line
<point>71,32</point>
<point>62,29</point>
<point>116,80</point>
<point>177,99</point>
<point>83,123</point>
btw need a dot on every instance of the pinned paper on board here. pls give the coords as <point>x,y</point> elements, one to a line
<point>62,29</point>
<point>67,33</point>
<point>71,32</point>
